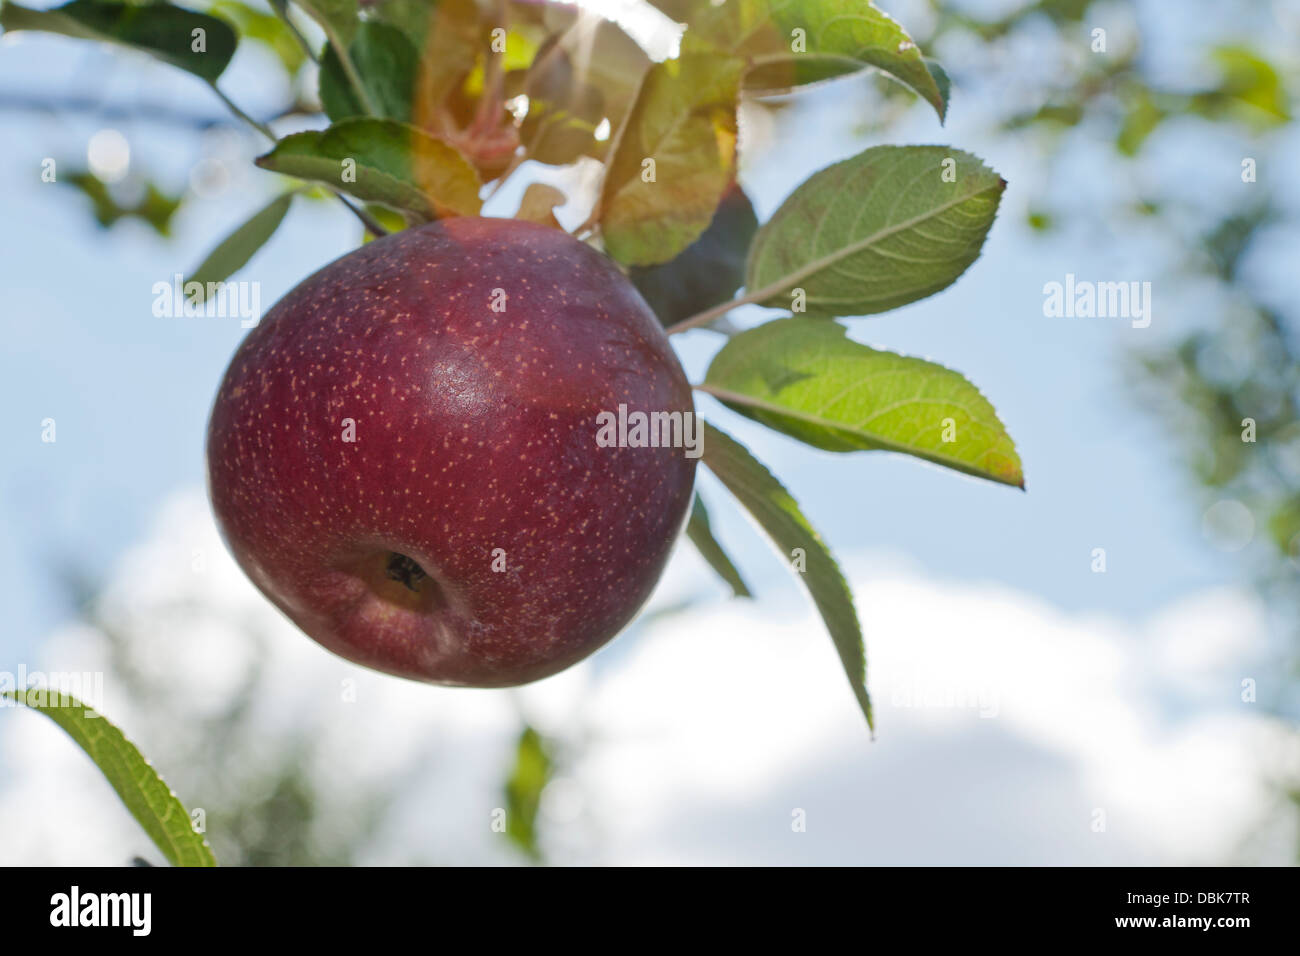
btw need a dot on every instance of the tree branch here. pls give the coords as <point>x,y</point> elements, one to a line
<point>163,115</point>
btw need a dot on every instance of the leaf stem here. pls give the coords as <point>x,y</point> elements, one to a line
<point>234,108</point>
<point>282,11</point>
<point>722,308</point>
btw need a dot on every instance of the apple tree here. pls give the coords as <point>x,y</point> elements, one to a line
<point>426,109</point>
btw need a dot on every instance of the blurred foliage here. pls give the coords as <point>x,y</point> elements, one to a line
<point>1214,386</point>
<point>264,813</point>
<point>264,804</point>
<point>1242,363</point>
<point>532,771</point>
<point>110,203</point>
<point>1238,359</point>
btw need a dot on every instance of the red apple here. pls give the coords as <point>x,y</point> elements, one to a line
<point>403,454</point>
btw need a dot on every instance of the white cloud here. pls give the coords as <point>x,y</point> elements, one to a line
<point>1004,726</point>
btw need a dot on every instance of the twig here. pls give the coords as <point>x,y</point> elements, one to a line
<point>234,108</point>
<point>492,102</point>
<point>153,113</point>
<point>282,11</point>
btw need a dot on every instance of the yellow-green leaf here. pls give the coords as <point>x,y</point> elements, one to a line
<point>674,158</point>
<point>808,379</point>
<point>528,778</point>
<point>145,794</point>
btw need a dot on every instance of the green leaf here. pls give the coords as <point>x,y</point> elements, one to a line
<point>808,379</point>
<point>338,18</point>
<point>532,771</point>
<point>709,270</point>
<point>264,28</point>
<point>838,37</point>
<point>389,68</point>
<point>779,516</point>
<point>684,118</point>
<point>942,83</point>
<point>145,794</point>
<point>159,29</point>
<point>447,38</point>
<point>701,535</point>
<point>395,164</point>
<point>412,17</point>
<point>887,227</point>
<point>241,245</point>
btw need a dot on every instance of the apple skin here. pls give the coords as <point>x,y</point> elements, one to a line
<point>475,430</point>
